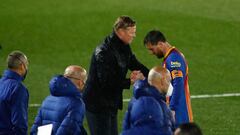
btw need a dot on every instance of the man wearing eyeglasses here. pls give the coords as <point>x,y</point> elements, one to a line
<point>107,77</point>
<point>14,96</point>
<point>64,108</point>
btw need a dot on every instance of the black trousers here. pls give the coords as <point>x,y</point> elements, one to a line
<point>102,123</point>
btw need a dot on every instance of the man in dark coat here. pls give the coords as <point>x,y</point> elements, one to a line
<point>107,77</point>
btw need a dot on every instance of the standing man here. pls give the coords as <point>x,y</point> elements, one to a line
<point>64,108</point>
<point>175,62</point>
<point>107,77</point>
<point>14,96</point>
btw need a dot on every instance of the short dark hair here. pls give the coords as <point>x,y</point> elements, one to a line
<point>189,129</point>
<point>15,59</point>
<point>123,22</point>
<point>153,37</point>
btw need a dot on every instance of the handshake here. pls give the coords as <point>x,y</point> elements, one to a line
<point>136,75</point>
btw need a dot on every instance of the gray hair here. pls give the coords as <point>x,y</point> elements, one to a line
<point>157,73</point>
<point>15,59</point>
<point>153,75</point>
<point>76,72</point>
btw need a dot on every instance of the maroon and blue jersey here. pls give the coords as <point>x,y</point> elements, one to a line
<point>179,101</point>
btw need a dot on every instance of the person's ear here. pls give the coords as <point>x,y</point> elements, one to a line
<point>160,43</point>
<point>121,31</point>
<point>22,68</point>
<point>81,85</point>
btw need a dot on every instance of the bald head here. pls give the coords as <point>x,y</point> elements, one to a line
<point>77,75</point>
<point>160,78</point>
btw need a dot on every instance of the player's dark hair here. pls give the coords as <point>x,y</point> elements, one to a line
<point>189,129</point>
<point>153,37</point>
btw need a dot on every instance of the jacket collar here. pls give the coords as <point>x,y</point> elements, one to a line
<point>142,88</point>
<point>12,75</point>
<point>156,94</point>
<point>168,52</point>
<point>118,43</point>
<point>62,86</point>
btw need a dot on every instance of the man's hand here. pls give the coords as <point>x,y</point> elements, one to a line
<point>136,75</point>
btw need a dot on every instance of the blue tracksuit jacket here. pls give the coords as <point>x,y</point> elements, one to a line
<point>13,104</point>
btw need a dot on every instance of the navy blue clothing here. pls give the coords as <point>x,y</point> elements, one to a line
<point>147,118</point>
<point>142,89</point>
<point>13,104</point>
<point>64,109</point>
<point>102,123</point>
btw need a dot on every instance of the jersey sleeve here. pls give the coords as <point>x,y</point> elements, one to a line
<point>177,67</point>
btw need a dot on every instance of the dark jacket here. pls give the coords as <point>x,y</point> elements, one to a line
<point>147,118</point>
<point>13,104</point>
<point>64,109</point>
<point>107,75</point>
<point>142,89</point>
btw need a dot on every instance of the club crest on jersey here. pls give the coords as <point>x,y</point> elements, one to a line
<point>175,64</point>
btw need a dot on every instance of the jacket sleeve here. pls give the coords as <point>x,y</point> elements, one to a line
<point>37,123</point>
<point>127,117</point>
<point>19,113</point>
<point>106,72</point>
<point>73,121</point>
<point>136,65</point>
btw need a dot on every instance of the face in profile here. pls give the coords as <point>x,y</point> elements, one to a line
<point>155,50</point>
<point>128,34</point>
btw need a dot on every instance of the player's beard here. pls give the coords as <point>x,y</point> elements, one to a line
<point>160,55</point>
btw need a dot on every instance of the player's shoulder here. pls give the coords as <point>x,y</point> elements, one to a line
<point>175,60</point>
<point>175,55</point>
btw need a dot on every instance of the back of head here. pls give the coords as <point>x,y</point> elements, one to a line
<point>123,22</point>
<point>188,129</point>
<point>76,73</point>
<point>15,59</point>
<point>153,37</point>
<point>160,78</point>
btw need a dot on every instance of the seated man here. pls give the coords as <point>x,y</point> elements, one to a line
<point>64,108</point>
<point>157,75</point>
